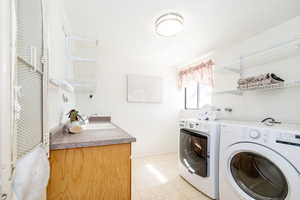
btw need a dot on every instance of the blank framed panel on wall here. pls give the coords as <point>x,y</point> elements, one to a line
<point>144,89</point>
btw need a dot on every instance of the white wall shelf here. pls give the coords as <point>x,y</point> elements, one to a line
<point>79,59</point>
<point>274,86</point>
<point>74,86</point>
<point>274,53</point>
<point>84,86</point>
<point>271,54</point>
<point>85,43</point>
<point>232,67</point>
<point>233,92</point>
<point>262,88</point>
<point>63,84</point>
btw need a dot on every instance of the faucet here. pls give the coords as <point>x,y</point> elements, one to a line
<point>225,109</point>
<point>269,121</point>
<point>84,119</point>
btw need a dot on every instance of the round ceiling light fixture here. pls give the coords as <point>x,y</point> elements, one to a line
<point>169,24</point>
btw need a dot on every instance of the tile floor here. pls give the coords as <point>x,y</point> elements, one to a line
<point>157,178</point>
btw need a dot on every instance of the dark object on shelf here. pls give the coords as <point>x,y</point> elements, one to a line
<point>276,77</point>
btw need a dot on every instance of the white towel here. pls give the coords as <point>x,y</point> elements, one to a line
<point>32,175</point>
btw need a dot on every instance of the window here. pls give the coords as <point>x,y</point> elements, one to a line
<point>197,95</point>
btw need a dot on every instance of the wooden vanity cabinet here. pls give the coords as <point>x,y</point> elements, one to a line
<point>91,173</point>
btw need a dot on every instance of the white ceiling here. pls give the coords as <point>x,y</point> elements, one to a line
<point>126,28</point>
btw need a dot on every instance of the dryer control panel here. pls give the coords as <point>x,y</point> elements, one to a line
<point>182,123</point>
<point>195,125</point>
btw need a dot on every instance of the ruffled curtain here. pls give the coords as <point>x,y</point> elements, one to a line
<point>202,73</point>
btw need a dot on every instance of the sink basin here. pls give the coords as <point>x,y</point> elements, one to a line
<point>98,126</point>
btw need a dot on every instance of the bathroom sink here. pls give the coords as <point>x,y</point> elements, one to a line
<point>98,126</point>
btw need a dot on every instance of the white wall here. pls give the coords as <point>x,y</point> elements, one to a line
<point>154,125</point>
<point>60,67</point>
<point>282,104</point>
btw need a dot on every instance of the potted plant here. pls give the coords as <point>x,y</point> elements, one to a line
<point>74,126</point>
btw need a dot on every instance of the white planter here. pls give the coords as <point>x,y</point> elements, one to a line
<point>74,127</point>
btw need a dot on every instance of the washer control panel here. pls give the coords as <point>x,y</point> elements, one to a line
<point>254,134</point>
<point>289,138</point>
<point>257,135</point>
<point>286,136</point>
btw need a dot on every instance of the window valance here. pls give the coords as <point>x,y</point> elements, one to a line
<point>202,73</point>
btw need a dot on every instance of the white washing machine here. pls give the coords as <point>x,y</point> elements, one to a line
<point>199,155</point>
<point>258,162</point>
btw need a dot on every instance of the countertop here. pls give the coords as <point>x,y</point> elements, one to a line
<point>88,138</point>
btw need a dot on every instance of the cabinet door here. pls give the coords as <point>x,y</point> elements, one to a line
<point>93,173</point>
<point>29,75</point>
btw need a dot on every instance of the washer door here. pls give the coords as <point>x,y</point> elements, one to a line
<point>259,173</point>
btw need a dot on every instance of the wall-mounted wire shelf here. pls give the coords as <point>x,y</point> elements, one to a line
<point>84,86</point>
<point>233,92</point>
<point>79,59</point>
<point>271,54</point>
<point>63,84</point>
<point>261,88</point>
<point>273,86</point>
<point>85,43</point>
<point>275,53</point>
